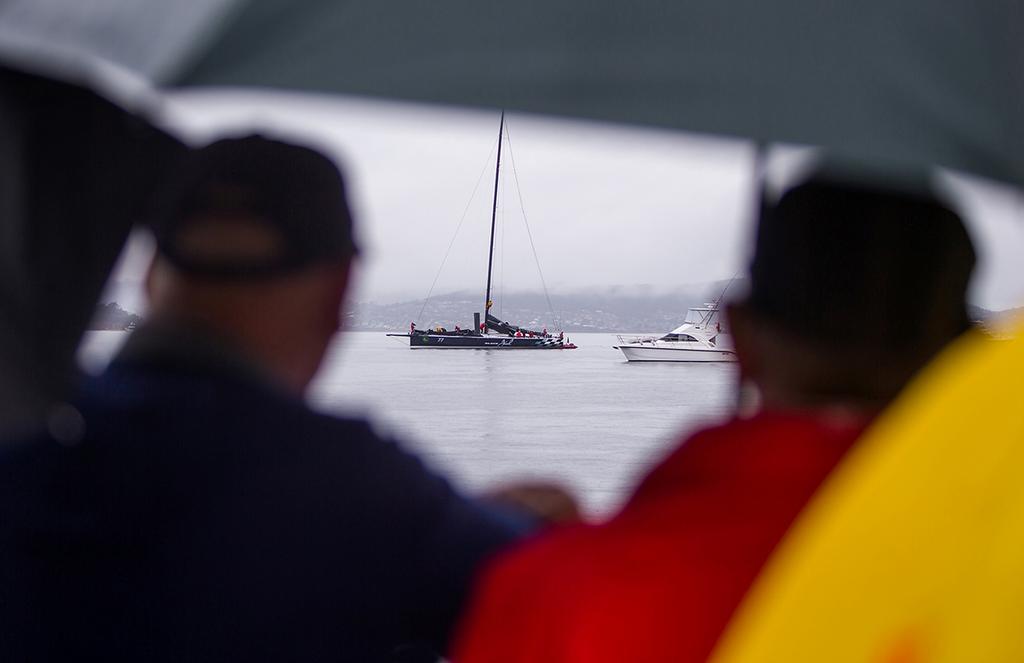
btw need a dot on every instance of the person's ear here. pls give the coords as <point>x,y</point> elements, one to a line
<point>339,292</point>
<point>748,352</point>
<point>744,336</point>
<point>150,283</point>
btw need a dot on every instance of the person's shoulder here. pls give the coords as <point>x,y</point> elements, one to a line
<point>811,424</point>
<point>761,442</point>
<point>566,556</point>
<point>369,455</point>
<point>336,426</point>
<point>163,385</point>
<point>534,599</point>
<point>235,410</point>
<point>740,431</point>
<point>358,434</point>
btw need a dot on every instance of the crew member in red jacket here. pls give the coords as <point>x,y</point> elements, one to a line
<point>852,290</point>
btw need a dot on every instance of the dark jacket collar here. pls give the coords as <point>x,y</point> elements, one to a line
<point>189,346</point>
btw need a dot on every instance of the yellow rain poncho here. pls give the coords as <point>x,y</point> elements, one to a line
<point>913,552</point>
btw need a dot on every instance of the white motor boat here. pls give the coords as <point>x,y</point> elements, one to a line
<point>700,338</point>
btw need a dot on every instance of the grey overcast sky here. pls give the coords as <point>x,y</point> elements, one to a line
<point>606,205</point>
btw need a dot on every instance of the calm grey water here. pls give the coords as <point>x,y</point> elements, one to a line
<point>584,416</point>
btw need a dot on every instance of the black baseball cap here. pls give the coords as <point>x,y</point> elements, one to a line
<point>253,207</point>
<point>861,264</point>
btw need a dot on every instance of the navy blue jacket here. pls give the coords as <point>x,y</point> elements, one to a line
<point>205,515</point>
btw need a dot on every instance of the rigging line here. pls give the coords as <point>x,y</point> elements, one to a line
<point>721,296</point>
<point>452,242</point>
<point>718,302</point>
<point>501,273</point>
<point>522,207</point>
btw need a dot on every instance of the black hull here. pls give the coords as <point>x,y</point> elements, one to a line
<point>489,342</point>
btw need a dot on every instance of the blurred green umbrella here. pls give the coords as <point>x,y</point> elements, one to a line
<point>75,174</point>
<point>884,82</point>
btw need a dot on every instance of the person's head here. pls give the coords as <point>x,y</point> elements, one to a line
<point>852,290</point>
<point>254,242</point>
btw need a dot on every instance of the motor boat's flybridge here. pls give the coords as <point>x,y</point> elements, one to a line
<point>701,338</point>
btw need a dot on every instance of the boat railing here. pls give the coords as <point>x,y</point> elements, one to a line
<point>633,339</point>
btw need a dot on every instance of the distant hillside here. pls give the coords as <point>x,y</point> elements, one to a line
<point>624,309</point>
<point>611,310</point>
<point>978,314</point>
<point>111,317</point>
<point>621,309</point>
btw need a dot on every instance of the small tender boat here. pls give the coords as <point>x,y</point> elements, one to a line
<point>699,339</point>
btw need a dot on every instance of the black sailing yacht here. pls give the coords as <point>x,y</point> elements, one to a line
<point>492,333</point>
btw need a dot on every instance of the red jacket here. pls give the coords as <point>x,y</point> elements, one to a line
<point>659,581</point>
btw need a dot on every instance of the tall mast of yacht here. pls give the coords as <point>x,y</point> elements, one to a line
<point>494,215</point>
